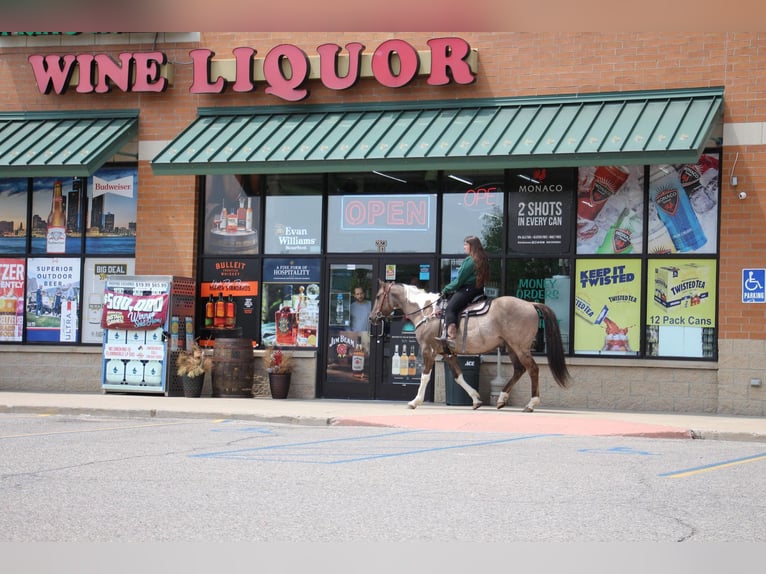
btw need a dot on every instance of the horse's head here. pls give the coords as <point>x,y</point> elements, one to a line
<point>383,306</point>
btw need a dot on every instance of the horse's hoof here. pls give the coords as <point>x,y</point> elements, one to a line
<point>477,405</point>
<point>500,405</point>
<point>411,405</point>
<point>528,410</point>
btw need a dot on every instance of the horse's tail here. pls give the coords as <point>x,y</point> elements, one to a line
<point>554,349</point>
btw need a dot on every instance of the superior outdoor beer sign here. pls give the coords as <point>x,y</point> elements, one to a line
<point>284,69</point>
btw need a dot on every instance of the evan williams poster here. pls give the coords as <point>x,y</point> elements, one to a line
<point>607,307</point>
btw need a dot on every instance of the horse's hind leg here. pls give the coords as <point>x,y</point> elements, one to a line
<point>425,377</point>
<point>534,371</point>
<point>518,371</point>
<point>451,362</point>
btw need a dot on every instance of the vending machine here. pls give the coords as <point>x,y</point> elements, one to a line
<point>147,321</point>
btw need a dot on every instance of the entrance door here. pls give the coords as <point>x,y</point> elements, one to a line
<point>357,365</point>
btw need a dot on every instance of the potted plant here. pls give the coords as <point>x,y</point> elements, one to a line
<point>191,365</point>
<point>279,366</point>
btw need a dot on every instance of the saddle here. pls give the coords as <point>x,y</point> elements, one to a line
<point>478,306</point>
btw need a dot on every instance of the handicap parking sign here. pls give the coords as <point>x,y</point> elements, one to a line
<point>754,285</point>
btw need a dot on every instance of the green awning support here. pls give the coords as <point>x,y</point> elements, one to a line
<point>620,128</point>
<point>73,143</point>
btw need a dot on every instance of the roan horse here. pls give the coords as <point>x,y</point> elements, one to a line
<point>509,322</point>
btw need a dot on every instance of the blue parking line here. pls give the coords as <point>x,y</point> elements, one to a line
<point>713,466</point>
<point>252,453</point>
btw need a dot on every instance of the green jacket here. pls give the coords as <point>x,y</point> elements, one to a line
<point>466,276</point>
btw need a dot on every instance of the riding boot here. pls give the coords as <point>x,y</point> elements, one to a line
<point>443,336</point>
<point>451,334</point>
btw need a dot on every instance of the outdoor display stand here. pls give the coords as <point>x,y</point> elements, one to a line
<point>147,320</point>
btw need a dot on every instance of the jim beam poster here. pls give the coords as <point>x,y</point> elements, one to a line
<point>680,313</point>
<point>53,292</point>
<point>608,307</point>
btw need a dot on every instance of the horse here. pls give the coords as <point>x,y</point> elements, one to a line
<point>509,322</point>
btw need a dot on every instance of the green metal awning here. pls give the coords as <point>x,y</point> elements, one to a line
<point>72,143</point>
<point>668,126</point>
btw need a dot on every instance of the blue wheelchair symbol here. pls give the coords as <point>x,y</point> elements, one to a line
<point>754,285</point>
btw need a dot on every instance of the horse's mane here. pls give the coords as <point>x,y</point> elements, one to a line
<point>418,295</point>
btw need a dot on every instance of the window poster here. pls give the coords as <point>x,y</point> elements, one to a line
<point>680,314</point>
<point>232,214</point>
<point>610,207</point>
<point>683,207</point>
<point>229,291</point>
<point>13,207</point>
<point>540,207</point>
<point>53,292</point>
<point>110,223</point>
<point>290,302</point>
<point>12,278</point>
<point>607,307</point>
<point>94,281</point>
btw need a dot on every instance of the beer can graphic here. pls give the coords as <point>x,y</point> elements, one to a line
<point>675,210</point>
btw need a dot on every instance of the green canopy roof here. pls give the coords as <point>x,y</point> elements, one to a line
<point>72,143</point>
<point>668,126</point>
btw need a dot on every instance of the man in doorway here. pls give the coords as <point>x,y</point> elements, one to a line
<point>360,310</point>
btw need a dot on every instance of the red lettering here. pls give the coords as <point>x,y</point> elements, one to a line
<point>382,61</point>
<point>478,196</point>
<point>328,65</point>
<point>148,77</point>
<point>243,79</point>
<point>52,72</point>
<point>395,212</point>
<point>106,70</point>
<point>417,212</point>
<point>279,84</point>
<point>85,66</point>
<point>449,54</point>
<point>354,212</point>
<point>201,74</point>
<point>374,209</point>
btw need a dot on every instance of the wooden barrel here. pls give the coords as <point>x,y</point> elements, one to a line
<point>233,365</point>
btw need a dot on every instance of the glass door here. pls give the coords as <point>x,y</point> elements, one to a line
<point>386,366</point>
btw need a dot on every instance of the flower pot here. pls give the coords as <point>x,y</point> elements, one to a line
<point>279,383</point>
<point>193,385</point>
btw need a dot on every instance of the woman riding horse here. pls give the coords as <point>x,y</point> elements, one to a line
<point>469,283</point>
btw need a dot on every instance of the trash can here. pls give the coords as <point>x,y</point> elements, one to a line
<point>455,394</point>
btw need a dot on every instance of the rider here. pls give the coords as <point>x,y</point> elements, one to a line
<point>470,280</point>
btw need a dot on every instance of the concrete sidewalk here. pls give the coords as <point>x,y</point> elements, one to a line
<point>395,414</point>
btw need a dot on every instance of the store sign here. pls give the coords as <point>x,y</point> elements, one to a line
<point>386,212</point>
<point>284,69</point>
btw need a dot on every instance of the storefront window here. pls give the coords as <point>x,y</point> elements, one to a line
<point>610,210</point>
<point>232,214</point>
<point>543,281</point>
<point>53,290</point>
<point>293,224</point>
<point>540,211</point>
<point>381,212</point>
<point>472,205</point>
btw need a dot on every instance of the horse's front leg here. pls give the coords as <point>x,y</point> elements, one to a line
<point>425,377</point>
<point>457,374</point>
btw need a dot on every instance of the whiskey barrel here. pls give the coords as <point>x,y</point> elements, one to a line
<point>233,366</point>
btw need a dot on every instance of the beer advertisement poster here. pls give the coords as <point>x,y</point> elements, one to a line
<point>53,290</point>
<point>12,278</point>
<point>608,307</point>
<point>610,207</point>
<point>13,223</point>
<point>680,313</point>
<point>540,208</point>
<point>683,206</point>
<point>110,223</point>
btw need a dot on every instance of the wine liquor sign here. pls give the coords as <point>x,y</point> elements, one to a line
<point>284,69</point>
